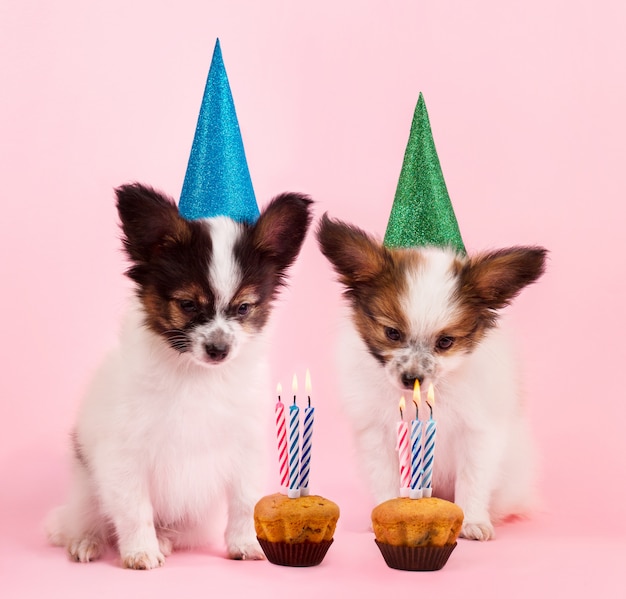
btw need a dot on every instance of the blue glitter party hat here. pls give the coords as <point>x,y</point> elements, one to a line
<point>422,212</point>
<point>217,181</point>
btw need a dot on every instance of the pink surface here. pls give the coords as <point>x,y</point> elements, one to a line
<point>526,105</point>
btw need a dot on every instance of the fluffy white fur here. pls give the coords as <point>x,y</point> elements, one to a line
<point>401,306</point>
<point>484,457</point>
<point>164,441</point>
<point>171,428</point>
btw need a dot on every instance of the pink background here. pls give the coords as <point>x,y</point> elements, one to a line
<point>526,102</point>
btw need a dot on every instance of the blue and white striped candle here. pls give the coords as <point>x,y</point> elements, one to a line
<point>429,446</point>
<point>294,445</point>
<point>307,439</point>
<point>416,447</point>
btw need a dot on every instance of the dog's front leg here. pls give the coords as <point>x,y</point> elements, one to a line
<point>477,466</point>
<point>240,536</point>
<point>130,510</point>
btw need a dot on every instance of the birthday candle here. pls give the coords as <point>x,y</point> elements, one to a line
<point>281,437</point>
<point>416,447</point>
<point>307,439</point>
<point>403,452</point>
<point>294,445</point>
<point>429,446</point>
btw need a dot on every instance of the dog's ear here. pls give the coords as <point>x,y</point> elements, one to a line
<point>493,279</point>
<point>355,256</point>
<point>279,232</point>
<point>150,220</point>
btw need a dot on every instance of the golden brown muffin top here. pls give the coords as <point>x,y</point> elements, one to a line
<point>417,522</point>
<point>277,518</point>
<point>279,506</point>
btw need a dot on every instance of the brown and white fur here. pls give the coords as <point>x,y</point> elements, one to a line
<point>159,439</point>
<point>432,314</point>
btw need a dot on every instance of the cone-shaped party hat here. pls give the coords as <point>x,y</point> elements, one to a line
<point>217,181</point>
<point>422,213</point>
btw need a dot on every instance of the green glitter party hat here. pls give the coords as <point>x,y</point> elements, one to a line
<point>422,213</point>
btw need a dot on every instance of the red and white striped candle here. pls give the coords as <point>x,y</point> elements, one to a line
<point>403,452</point>
<point>281,438</point>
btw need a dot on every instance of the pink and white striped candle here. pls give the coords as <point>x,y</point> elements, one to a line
<point>403,452</point>
<point>429,446</point>
<point>281,438</point>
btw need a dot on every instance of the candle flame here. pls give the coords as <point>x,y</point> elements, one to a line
<point>307,382</point>
<point>279,389</point>
<point>431,395</point>
<point>417,394</point>
<point>294,384</point>
<point>402,406</point>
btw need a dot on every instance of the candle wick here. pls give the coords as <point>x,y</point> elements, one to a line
<point>294,400</point>
<point>417,411</point>
<point>309,400</point>
<point>279,398</point>
<point>401,414</point>
<point>431,410</point>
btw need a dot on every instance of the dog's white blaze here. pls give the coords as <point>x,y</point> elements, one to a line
<point>429,301</point>
<point>224,272</point>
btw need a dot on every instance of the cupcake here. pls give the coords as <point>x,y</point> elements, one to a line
<point>295,532</point>
<point>417,534</point>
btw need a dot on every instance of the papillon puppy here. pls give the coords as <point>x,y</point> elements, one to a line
<point>160,436</point>
<point>431,315</point>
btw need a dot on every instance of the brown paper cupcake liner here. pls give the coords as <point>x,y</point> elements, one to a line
<point>424,559</point>
<point>295,554</point>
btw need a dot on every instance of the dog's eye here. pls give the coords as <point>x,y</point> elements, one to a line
<point>243,309</point>
<point>188,306</point>
<point>445,342</point>
<point>392,334</point>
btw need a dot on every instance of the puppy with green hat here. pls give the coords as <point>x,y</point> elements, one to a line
<point>422,313</point>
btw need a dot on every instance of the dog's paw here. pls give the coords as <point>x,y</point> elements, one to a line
<point>86,549</point>
<point>54,529</point>
<point>245,550</point>
<point>479,531</point>
<point>143,560</point>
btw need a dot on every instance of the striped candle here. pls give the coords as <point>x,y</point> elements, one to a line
<point>294,445</point>
<point>416,459</point>
<point>429,446</point>
<point>416,446</point>
<point>403,452</point>
<point>281,437</point>
<point>307,440</point>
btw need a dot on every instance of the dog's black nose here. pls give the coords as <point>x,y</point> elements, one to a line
<point>216,353</point>
<point>408,380</point>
